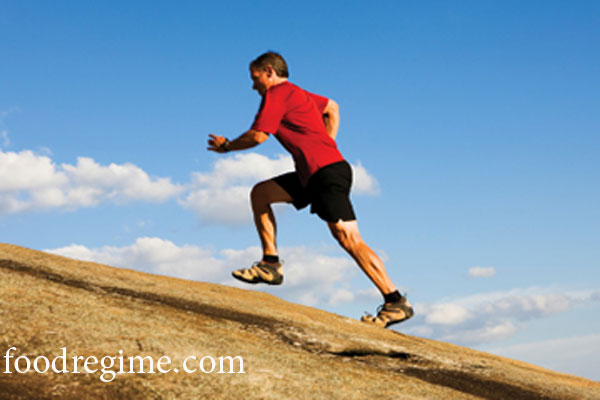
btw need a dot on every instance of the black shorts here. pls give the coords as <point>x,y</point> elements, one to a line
<point>328,192</point>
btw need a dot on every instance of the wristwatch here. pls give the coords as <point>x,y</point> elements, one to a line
<point>225,146</point>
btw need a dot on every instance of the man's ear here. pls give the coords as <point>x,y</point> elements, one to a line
<point>270,71</point>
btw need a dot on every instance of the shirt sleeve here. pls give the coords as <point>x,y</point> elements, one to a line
<point>270,114</point>
<point>320,101</point>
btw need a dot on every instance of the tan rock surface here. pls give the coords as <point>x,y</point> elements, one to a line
<point>290,351</point>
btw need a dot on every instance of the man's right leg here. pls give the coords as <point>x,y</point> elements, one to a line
<point>269,270</point>
<point>396,307</point>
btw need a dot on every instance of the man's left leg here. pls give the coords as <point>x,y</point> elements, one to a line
<point>396,308</point>
<point>269,269</point>
<point>262,197</point>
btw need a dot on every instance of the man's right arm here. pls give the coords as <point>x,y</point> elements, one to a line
<point>245,141</point>
<point>331,118</point>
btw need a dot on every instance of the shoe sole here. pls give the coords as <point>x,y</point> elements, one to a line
<point>409,312</point>
<point>254,282</point>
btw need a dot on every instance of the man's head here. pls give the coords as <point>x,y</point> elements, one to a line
<point>267,70</point>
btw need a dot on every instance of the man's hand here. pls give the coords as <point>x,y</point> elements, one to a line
<point>217,143</point>
<point>331,118</point>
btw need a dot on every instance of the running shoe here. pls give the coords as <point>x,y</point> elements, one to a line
<point>261,272</point>
<point>390,313</point>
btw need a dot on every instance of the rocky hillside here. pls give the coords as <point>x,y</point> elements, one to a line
<point>56,308</point>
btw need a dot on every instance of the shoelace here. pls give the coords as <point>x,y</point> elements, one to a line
<point>368,314</point>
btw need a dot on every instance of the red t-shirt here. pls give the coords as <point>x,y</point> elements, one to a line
<point>295,117</point>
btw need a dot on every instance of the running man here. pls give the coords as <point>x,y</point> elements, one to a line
<point>305,124</point>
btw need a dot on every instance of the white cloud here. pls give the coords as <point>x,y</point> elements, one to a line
<point>528,306</point>
<point>482,272</point>
<point>487,317</point>
<point>243,168</point>
<point>494,331</point>
<point>28,171</point>
<point>153,255</point>
<point>310,277</point>
<point>30,181</point>
<point>364,183</point>
<point>121,182</point>
<point>341,296</point>
<point>576,355</point>
<point>222,195</point>
<point>447,314</point>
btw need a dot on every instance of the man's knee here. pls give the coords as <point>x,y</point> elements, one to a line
<point>258,193</point>
<point>266,193</point>
<point>346,234</point>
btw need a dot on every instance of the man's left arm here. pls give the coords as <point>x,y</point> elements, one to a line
<point>331,118</point>
<point>245,141</point>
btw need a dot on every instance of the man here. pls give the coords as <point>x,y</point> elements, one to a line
<point>306,125</point>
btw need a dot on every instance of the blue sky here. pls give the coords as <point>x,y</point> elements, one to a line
<point>473,128</point>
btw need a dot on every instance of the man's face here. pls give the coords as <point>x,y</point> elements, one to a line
<point>261,80</point>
